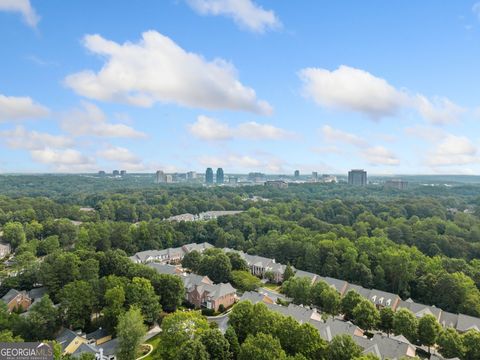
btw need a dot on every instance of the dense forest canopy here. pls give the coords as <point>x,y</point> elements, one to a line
<point>73,233</point>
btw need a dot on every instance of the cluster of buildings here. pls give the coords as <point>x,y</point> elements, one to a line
<point>204,216</point>
<point>200,291</point>
<point>98,343</point>
<point>115,173</point>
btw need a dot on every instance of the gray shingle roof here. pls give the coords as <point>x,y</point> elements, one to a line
<point>466,323</point>
<point>385,347</point>
<point>164,268</point>
<point>65,337</point>
<point>420,310</point>
<point>332,327</point>
<point>10,295</point>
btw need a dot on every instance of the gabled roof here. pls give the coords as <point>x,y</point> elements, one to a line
<point>85,349</point>
<point>448,319</point>
<point>300,273</point>
<point>164,268</point>
<point>385,347</point>
<point>10,295</point>
<point>339,285</point>
<point>198,247</point>
<point>65,337</point>
<point>219,290</point>
<point>299,313</point>
<point>466,323</point>
<point>37,293</point>
<point>97,334</point>
<point>254,297</point>
<point>332,327</point>
<point>420,310</point>
<point>192,280</point>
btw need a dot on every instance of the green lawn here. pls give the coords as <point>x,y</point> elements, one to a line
<point>155,342</point>
<point>273,287</point>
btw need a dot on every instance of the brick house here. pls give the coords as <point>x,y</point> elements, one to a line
<point>17,300</point>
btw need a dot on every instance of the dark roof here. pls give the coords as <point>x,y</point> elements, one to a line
<point>97,334</point>
<point>109,347</point>
<point>85,349</point>
<point>10,295</point>
<point>37,293</point>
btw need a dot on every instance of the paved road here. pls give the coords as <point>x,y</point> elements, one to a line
<point>221,320</point>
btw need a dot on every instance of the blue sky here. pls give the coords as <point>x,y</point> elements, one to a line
<point>249,85</point>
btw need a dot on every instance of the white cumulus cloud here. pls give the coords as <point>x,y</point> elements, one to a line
<point>245,13</point>
<point>89,120</point>
<point>20,108</point>
<point>453,150</point>
<point>23,7</point>
<point>61,158</point>
<point>156,69</point>
<point>206,128</point>
<point>335,135</point>
<point>20,138</point>
<point>352,89</point>
<point>379,155</point>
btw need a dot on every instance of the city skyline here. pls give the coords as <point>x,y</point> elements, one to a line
<point>246,86</point>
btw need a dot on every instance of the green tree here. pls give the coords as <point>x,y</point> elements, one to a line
<point>141,293</point>
<point>43,319</point>
<point>288,273</point>
<point>192,349</point>
<point>298,289</point>
<point>77,300</point>
<point>7,336</point>
<point>428,330</point>
<point>237,262</point>
<point>471,343</point>
<point>450,343</point>
<point>177,329</point>
<point>114,301</point>
<point>217,267</point>
<point>348,303</point>
<point>57,270</point>
<point>366,315</point>
<point>130,332</point>
<point>241,318</point>
<point>342,347</point>
<point>386,320</point>
<point>192,260</point>
<point>406,324</point>
<point>48,245</point>
<point>232,339</point>
<point>217,346</point>
<point>331,301</point>
<point>14,234</point>
<point>245,281</point>
<point>261,347</point>
<point>170,289</point>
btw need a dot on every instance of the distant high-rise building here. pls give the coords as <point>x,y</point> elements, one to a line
<point>191,175</point>
<point>101,173</point>
<point>209,176</point>
<point>396,184</point>
<point>123,172</point>
<point>115,173</point>
<point>232,179</point>
<point>220,176</point>
<point>160,177</point>
<point>168,179</point>
<point>357,177</point>
<point>315,176</point>
<point>329,178</point>
<point>296,174</point>
<point>256,177</point>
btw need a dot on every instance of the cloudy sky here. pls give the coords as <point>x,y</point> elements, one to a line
<point>249,85</point>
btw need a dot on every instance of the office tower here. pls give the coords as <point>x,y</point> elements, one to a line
<point>220,177</point>
<point>191,175</point>
<point>115,173</point>
<point>296,174</point>
<point>396,184</point>
<point>101,173</point>
<point>160,177</point>
<point>169,179</point>
<point>209,176</point>
<point>123,172</point>
<point>315,176</point>
<point>357,177</point>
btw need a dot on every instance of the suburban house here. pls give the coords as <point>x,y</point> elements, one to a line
<point>384,347</point>
<point>333,327</point>
<point>98,343</point>
<point>166,268</point>
<point>202,292</point>
<point>204,216</point>
<point>170,255</point>
<point>17,300</point>
<point>302,314</point>
<point>466,323</point>
<point>255,297</point>
<point>5,250</point>
<point>420,310</point>
<point>259,265</point>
